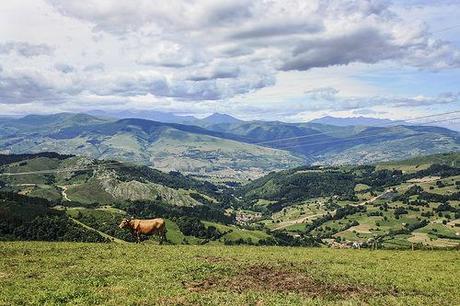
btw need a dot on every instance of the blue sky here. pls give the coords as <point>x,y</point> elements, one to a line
<point>284,60</point>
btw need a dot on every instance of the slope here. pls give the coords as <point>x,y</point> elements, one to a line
<point>86,181</point>
<point>338,145</point>
<point>166,146</point>
<point>393,205</point>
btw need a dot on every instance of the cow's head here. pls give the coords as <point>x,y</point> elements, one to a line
<point>125,223</point>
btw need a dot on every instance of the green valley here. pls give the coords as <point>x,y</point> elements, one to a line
<point>407,204</point>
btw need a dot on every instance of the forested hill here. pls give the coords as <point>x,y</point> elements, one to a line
<point>339,145</point>
<point>221,147</point>
<point>28,218</point>
<point>288,187</point>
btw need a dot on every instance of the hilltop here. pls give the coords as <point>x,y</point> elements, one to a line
<point>84,180</point>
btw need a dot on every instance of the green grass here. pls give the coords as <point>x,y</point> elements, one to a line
<point>34,164</point>
<point>397,242</point>
<point>234,233</point>
<point>422,162</point>
<point>435,229</point>
<point>40,273</point>
<point>89,193</point>
<point>296,227</point>
<point>175,236</point>
<point>49,192</point>
<point>361,187</point>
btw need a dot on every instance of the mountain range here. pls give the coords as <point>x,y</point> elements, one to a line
<point>219,145</point>
<point>165,146</point>
<point>363,121</point>
<point>166,117</point>
<point>217,118</point>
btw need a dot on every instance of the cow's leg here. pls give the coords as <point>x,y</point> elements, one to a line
<point>133,233</point>
<point>162,235</point>
<point>158,233</point>
<point>138,237</point>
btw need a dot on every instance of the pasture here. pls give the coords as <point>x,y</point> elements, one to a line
<point>38,273</point>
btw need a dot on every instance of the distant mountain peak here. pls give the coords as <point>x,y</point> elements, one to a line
<point>220,118</point>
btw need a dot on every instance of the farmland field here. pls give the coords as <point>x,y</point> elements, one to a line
<point>57,273</point>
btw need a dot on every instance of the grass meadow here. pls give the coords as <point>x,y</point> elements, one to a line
<point>43,273</point>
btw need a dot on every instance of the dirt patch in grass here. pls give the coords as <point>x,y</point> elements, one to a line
<point>280,279</point>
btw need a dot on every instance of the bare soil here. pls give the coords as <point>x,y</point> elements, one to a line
<point>280,279</point>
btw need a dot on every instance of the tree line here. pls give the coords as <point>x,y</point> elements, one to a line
<point>28,218</point>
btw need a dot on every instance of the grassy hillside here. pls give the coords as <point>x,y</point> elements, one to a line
<point>166,146</point>
<point>338,145</point>
<point>422,162</point>
<point>38,273</point>
<point>413,203</point>
<point>84,180</point>
<point>198,154</point>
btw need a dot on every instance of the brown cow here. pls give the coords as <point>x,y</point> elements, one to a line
<point>145,227</point>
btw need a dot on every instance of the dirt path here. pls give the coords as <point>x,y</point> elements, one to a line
<point>116,240</point>
<point>63,192</point>
<point>373,199</point>
<point>295,221</point>
<point>426,179</point>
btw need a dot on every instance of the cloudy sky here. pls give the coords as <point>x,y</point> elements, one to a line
<point>285,60</point>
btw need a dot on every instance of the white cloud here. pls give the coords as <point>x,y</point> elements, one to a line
<point>211,54</point>
<point>170,54</point>
<point>25,49</point>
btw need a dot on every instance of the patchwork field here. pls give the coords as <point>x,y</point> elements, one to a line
<point>38,273</point>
